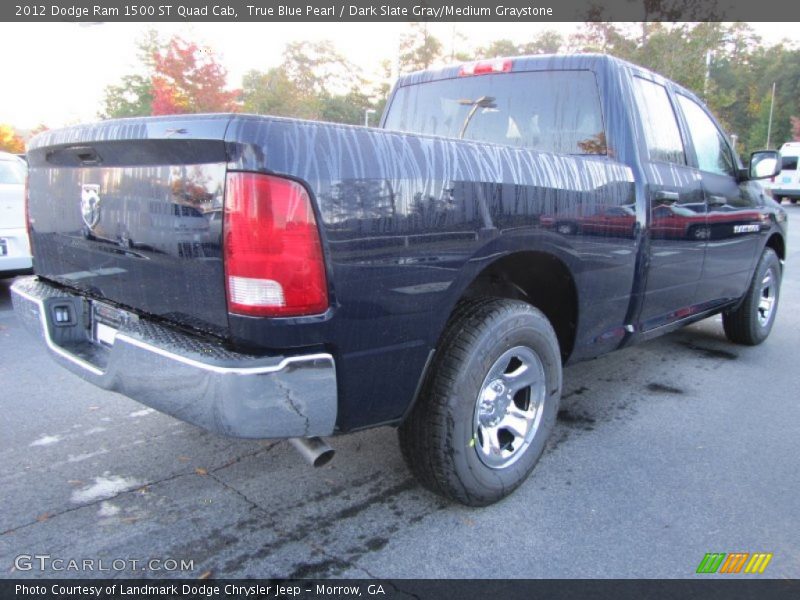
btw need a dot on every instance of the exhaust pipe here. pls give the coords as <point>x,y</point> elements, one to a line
<point>316,452</point>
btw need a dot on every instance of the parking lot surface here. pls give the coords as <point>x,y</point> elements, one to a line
<point>665,451</point>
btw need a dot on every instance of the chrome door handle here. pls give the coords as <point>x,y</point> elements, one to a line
<point>667,196</point>
<point>717,200</point>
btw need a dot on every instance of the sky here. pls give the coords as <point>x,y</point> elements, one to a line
<point>55,73</point>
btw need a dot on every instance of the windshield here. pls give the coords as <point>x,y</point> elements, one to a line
<point>12,171</point>
<point>552,111</point>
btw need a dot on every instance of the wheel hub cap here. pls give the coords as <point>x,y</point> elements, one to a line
<point>509,407</point>
<point>766,302</point>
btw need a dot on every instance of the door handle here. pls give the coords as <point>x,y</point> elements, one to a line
<point>667,196</point>
<point>714,201</point>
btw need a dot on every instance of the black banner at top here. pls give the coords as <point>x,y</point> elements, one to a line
<point>397,10</point>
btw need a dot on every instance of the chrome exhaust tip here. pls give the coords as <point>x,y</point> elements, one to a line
<point>316,452</point>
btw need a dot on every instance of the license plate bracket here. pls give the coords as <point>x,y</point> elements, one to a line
<point>106,322</point>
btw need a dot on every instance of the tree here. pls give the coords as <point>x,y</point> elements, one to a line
<point>174,77</point>
<point>606,38</point>
<point>315,82</point>
<point>316,68</point>
<point>795,129</point>
<point>419,49</point>
<point>10,140</point>
<point>133,96</point>
<point>498,48</point>
<point>188,79</point>
<point>736,85</point>
<point>544,42</point>
<point>347,108</point>
<point>273,93</point>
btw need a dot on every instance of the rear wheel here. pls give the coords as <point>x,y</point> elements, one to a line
<point>752,321</point>
<point>488,405</point>
<point>794,200</point>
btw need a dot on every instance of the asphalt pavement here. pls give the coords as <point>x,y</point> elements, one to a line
<point>665,451</point>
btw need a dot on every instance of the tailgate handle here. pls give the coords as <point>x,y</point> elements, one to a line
<point>84,155</point>
<point>87,156</point>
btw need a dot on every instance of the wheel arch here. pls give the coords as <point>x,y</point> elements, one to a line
<point>777,243</point>
<point>541,276</point>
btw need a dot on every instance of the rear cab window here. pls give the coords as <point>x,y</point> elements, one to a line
<point>549,111</point>
<point>789,163</point>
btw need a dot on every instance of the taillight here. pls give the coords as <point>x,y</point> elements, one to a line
<point>273,254</point>
<point>482,67</point>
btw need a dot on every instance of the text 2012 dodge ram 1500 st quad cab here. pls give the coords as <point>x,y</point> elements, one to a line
<point>276,278</point>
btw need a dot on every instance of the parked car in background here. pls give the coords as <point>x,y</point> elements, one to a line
<point>15,249</point>
<point>787,184</point>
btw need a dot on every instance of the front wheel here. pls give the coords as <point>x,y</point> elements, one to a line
<point>752,321</point>
<point>488,405</point>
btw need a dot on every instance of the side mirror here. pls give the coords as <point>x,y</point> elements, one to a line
<point>764,164</point>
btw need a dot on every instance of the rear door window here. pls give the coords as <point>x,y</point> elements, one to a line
<point>551,111</point>
<point>661,134</point>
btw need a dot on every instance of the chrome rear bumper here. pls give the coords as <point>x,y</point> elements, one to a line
<point>198,381</point>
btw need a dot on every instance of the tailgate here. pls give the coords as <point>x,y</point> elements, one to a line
<point>131,211</point>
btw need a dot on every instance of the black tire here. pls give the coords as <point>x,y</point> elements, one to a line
<point>438,439</point>
<point>696,232</point>
<point>746,324</point>
<point>794,200</point>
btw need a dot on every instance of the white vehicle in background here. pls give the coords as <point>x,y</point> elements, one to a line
<point>787,184</point>
<point>15,249</point>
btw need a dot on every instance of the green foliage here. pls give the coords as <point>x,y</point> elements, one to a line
<point>726,64</point>
<point>272,92</point>
<point>175,76</point>
<point>419,49</point>
<point>133,96</point>
<point>544,42</point>
<point>315,82</point>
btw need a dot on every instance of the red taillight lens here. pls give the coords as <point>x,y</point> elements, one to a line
<point>273,254</point>
<point>482,67</point>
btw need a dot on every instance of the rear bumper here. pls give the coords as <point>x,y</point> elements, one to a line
<point>196,381</point>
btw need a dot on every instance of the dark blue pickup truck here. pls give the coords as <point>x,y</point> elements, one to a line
<point>276,278</point>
